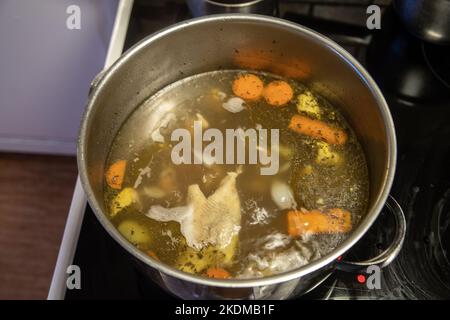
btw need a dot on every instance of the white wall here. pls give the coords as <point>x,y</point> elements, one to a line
<point>46,69</point>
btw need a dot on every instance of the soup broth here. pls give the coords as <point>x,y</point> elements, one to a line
<point>280,221</point>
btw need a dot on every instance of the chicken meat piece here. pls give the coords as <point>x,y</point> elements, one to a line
<point>204,221</point>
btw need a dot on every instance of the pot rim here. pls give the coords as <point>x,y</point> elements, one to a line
<point>362,228</point>
<point>234,5</point>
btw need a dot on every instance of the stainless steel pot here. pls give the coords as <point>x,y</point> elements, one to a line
<point>203,7</point>
<point>242,41</point>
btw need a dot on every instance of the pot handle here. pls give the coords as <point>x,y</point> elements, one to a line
<point>387,256</point>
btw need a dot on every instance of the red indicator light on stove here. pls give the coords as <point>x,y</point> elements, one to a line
<point>361,278</point>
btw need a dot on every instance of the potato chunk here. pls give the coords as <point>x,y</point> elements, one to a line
<point>193,261</point>
<point>306,102</point>
<point>134,232</point>
<point>325,155</point>
<point>124,199</point>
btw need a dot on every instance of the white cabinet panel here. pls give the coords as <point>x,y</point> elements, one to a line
<point>46,69</point>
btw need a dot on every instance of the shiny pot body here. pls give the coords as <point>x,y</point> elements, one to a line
<point>204,7</point>
<point>229,42</point>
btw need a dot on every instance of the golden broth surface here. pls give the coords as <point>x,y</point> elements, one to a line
<point>263,246</point>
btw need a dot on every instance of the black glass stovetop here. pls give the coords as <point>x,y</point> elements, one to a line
<point>420,105</point>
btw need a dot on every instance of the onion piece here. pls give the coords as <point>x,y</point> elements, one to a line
<point>156,134</point>
<point>154,192</point>
<point>234,105</point>
<point>178,214</point>
<point>282,195</point>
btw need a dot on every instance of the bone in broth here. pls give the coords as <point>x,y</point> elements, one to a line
<point>236,174</point>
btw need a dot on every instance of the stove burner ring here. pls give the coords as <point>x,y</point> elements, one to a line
<point>436,60</point>
<point>440,224</point>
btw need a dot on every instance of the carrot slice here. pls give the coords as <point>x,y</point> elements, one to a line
<point>278,93</point>
<point>115,174</point>
<point>218,273</point>
<point>248,87</point>
<point>317,129</point>
<point>152,254</point>
<point>314,222</point>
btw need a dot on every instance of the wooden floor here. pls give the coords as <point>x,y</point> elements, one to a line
<point>35,195</point>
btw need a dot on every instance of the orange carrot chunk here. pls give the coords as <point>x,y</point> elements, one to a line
<point>152,254</point>
<point>278,93</point>
<point>317,222</point>
<point>115,174</point>
<point>218,273</point>
<point>317,129</point>
<point>248,87</point>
